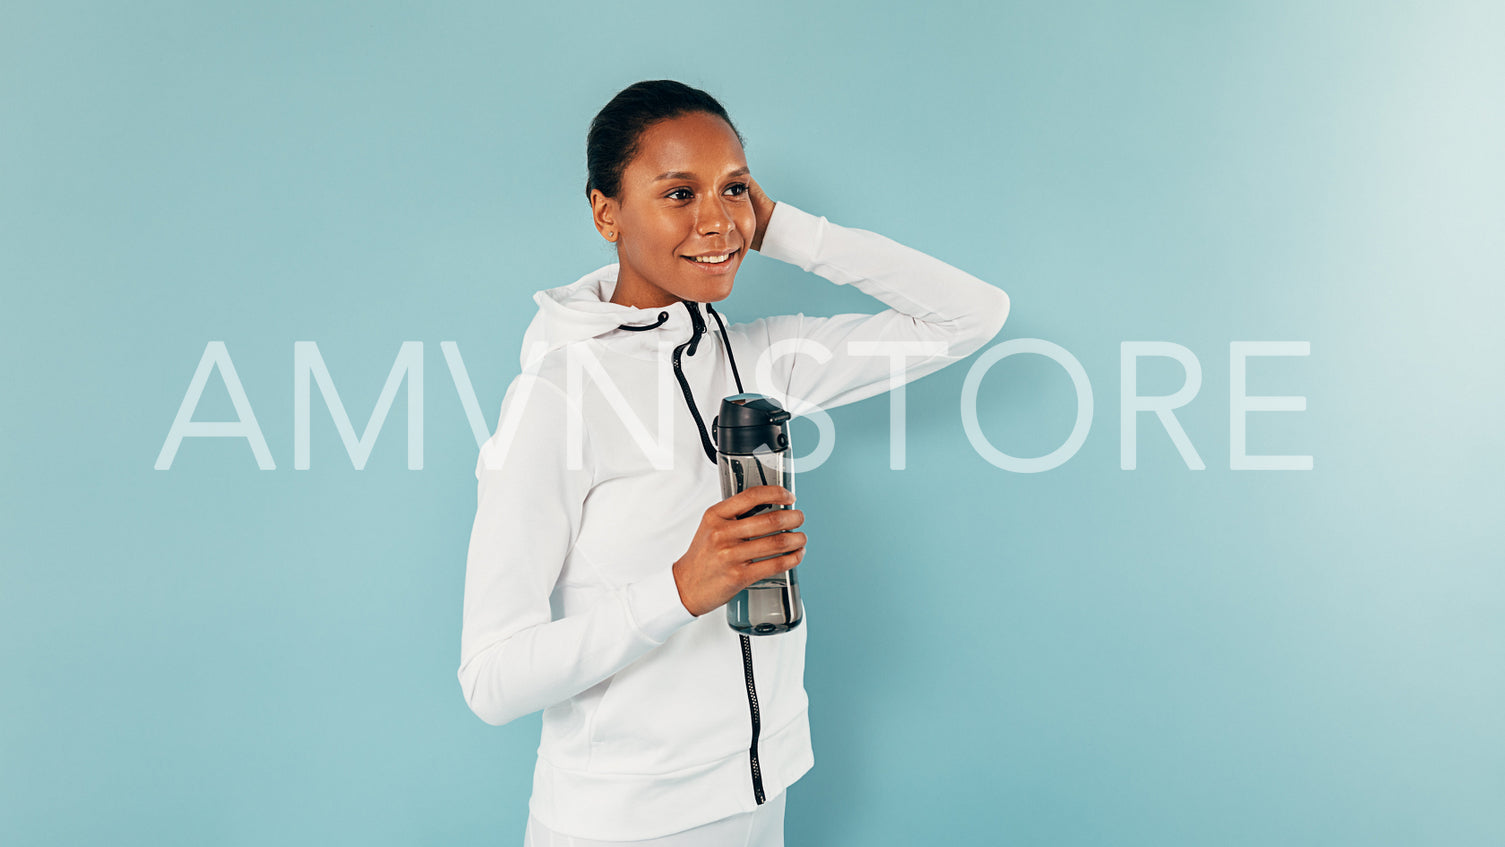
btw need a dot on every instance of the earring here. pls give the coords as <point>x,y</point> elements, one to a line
<point>611,235</point>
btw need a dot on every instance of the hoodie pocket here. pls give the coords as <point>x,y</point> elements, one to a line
<point>681,705</point>
<point>601,710</point>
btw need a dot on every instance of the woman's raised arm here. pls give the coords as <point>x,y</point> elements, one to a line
<point>937,314</point>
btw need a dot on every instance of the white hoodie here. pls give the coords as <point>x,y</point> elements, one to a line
<point>593,486</point>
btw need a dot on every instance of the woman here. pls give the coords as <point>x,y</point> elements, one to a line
<point>602,552</point>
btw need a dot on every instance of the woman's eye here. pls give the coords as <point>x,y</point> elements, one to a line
<point>680,194</point>
<point>737,189</point>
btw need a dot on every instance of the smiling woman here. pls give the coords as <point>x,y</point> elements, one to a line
<point>596,558</point>
<point>684,213</point>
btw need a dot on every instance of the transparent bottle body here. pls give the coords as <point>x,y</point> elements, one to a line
<point>768,606</point>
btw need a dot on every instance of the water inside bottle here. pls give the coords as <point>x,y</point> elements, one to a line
<point>767,607</point>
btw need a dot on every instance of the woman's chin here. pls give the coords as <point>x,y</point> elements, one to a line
<point>711,290</point>
<point>721,293</point>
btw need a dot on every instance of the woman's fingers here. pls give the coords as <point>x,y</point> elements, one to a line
<point>745,501</point>
<point>778,520</point>
<point>762,211</point>
<point>773,567</point>
<point>772,545</point>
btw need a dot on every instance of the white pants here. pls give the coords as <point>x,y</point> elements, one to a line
<point>763,827</point>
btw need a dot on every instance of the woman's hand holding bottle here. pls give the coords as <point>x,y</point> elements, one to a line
<point>720,562</point>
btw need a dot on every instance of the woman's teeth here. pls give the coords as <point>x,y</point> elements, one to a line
<point>711,260</point>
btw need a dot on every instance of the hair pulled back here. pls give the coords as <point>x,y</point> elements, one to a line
<point>617,128</point>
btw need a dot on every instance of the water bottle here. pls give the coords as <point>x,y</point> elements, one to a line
<point>752,448</point>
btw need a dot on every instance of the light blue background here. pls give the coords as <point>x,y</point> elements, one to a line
<point>219,655</point>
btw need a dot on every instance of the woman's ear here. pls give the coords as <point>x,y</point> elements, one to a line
<point>604,212</point>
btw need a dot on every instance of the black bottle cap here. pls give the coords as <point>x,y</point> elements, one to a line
<point>750,423</point>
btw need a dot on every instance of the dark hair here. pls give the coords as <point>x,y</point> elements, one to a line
<point>616,129</point>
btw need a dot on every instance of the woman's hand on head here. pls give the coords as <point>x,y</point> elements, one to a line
<point>720,562</point>
<point>762,208</point>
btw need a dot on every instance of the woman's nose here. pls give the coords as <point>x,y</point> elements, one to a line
<point>714,218</point>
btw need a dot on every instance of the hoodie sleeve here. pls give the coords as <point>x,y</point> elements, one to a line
<point>937,314</point>
<point>515,657</point>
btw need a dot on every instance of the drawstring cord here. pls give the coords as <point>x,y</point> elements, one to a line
<point>662,316</point>
<point>697,326</point>
<point>726,342</point>
<point>697,329</point>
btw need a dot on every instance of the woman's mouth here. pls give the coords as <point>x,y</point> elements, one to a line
<point>713,263</point>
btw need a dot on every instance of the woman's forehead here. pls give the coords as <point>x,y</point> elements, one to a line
<point>699,145</point>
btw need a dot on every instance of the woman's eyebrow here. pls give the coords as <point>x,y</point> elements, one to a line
<point>743,171</point>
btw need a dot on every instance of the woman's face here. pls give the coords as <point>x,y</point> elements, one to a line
<point>683,200</point>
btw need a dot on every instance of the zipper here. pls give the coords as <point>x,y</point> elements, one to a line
<point>752,706</point>
<point>697,324</point>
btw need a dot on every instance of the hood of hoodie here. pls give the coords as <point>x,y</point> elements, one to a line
<point>583,310</point>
